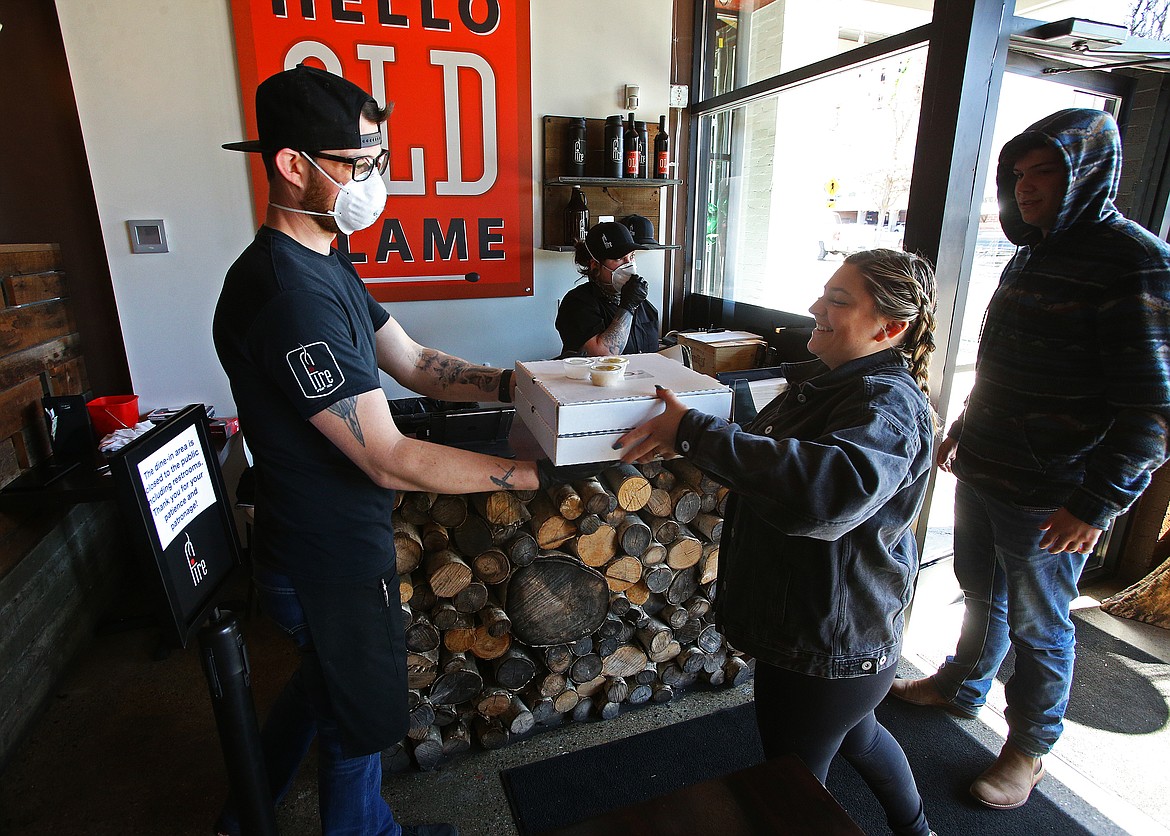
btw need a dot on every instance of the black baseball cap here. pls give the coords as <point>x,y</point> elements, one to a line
<point>642,230</point>
<point>610,240</point>
<point>308,109</point>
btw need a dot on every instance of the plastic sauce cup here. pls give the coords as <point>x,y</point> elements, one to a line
<point>577,367</point>
<point>606,374</point>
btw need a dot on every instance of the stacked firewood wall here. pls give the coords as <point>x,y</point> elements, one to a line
<point>527,609</point>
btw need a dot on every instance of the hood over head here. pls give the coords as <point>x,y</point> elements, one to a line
<point>1090,144</point>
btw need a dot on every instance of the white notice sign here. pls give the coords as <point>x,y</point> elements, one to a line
<point>178,487</point>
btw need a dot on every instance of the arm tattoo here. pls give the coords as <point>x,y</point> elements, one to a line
<point>615,336</point>
<point>346,410</point>
<point>503,480</point>
<point>450,371</point>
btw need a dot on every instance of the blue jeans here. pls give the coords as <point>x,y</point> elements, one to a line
<point>349,789</point>
<point>1015,594</point>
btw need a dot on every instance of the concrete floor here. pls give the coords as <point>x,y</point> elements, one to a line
<point>129,745</point>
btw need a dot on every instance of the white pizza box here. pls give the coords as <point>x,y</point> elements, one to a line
<point>575,421</point>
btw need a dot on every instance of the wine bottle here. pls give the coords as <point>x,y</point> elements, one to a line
<point>662,151</point>
<point>630,149</point>
<point>576,217</point>
<point>643,150</point>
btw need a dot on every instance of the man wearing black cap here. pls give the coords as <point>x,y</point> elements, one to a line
<point>302,343</point>
<point>610,314</point>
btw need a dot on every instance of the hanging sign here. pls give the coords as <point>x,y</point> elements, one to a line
<point>458,222</point>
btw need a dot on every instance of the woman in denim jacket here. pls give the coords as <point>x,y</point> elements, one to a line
<point>818,558</point>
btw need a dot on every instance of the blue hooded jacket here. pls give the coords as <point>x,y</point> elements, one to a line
<point>1072,389</point>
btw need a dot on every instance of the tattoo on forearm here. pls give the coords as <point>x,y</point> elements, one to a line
<point>346,409</point>
<point>615,336</point>
<point>503,481</point>
<point>451,371</point>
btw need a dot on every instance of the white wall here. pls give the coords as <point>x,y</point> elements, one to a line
<point>157,93</point>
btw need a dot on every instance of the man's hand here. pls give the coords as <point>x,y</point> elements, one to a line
<point>550,475</point>
<point>634,293</point>
<point>1066,533</point>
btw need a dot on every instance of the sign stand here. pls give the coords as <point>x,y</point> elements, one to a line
<point>229,680</point>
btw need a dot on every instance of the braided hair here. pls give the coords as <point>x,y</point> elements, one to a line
<point>903,288</point>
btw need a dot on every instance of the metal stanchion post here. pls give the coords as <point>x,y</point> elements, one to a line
<point>225,663</point>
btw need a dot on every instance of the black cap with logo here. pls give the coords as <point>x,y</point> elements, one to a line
<point>308,109</point>
<point>642,230</point>
<point>610,239</point>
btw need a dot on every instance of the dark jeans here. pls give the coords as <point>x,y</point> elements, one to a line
<point>349,789</point>
<point>814,718</point>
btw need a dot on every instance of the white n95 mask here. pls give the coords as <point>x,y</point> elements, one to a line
<point>622,274</point>
<point>358,204</point>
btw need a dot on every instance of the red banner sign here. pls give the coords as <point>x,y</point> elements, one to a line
<point>458,222</point>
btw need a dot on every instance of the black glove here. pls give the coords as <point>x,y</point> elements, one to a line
<point>550,475</point>
<point>634,293</point>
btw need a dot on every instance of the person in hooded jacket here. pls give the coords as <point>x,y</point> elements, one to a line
<point>817,556</point>
<point>1064,426</point>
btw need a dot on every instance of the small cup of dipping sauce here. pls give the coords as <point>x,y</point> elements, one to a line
<point>612,361</point>
<point>577,367</point>
<point>606,374</point>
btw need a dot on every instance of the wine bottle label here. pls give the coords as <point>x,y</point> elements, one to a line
<point>632,163</point>
<point>579,151</point>
<point>663,164</point>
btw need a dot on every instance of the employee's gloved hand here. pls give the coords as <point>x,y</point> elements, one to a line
<point>634,293</point>
<point>550,475</point>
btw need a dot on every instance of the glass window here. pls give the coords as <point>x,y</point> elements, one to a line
<point>757,39</point>
<point>1102,11</point>
<point>798,180</point>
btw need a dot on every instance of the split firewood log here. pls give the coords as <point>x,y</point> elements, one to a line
<point>555,600</point>
<point>657,578</point>
<point>408,547</point>
<point>415,507</point>
<point>659,503</point>
<point>639,695</point>
<point>516,718</point>
<point>682,587</point>
<point>708,566</point>
<point>421,718</point>
<point>514,669</point>
<point>672,649</point>
<point>428,752</point>
<point>521,549</point>
<point>736,671</point>
<point>422,636</point>
<point>685,503</point>
<point>661,692</point>
<point>486,646</point>
<point>593,686</point>
<point>663,529</point>
<point>638,593</point>
<point>421,669</point>
<point>493,701</point>
<point>405,588</point>
<point>459,679</point>
<point>456,738</point>
<point>633,535</point>
<point>622,572</point>
<point>502,508</point>
<point>689,632</point>
<point>558,657</point>
<point>648,675</point>
<point>550,684</point>
<point>491,566</point>
<point>494,619</point>
<point>548,527</point>
<point>435,537</point>
<point>446,573</point>
<point>594,497</point>
<point>585,668</point>
<point>677,678</point>
<point>685,551</point>
<point>595,549</point>
<point>491,734</point>
<point>654,554</point>
<point>566,700</point>
<point>697,606</point>
<point>471,598</point>
<point>567,501</point>
<point>445,715</point>
<point>588,523</point>
<point>629,486</point>
<point>449,510</point>
<point>422,597</point>
<point>708,525</point>
<point>674,616</point>
<point>626,660</point>
<point>691,475</point>
<point>473,535</point>
<point>582,710</point>
<point>619,604</point>
<point>655,636</point>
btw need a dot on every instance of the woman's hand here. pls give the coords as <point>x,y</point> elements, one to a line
<point>655,438</point>
<point>945,453</point>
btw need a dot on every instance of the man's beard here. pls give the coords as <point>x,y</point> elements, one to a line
<point>318,199</point>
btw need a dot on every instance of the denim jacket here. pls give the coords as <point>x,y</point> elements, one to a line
<point>817,558</point>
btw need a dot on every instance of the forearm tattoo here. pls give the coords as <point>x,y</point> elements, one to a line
<point>451,371</point>
<point>346,409</point>
<point>504,481</point>
<point>615,336</point>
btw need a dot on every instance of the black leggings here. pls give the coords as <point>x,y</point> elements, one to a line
<point>814,718</point>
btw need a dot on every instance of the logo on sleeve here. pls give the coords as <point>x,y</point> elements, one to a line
<point>315,369</point>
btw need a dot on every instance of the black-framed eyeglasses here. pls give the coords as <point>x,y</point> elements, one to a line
<point>361,167</point>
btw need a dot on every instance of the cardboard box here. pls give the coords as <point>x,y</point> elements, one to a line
<point>724,351</point>
<point>575,421</point>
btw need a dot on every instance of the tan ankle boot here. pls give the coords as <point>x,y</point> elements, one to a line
<point>925,692</point>
<point>1009,781</point>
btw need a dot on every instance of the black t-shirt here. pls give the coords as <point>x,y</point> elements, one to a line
<point>586,311</point>
<point>294,331</point>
